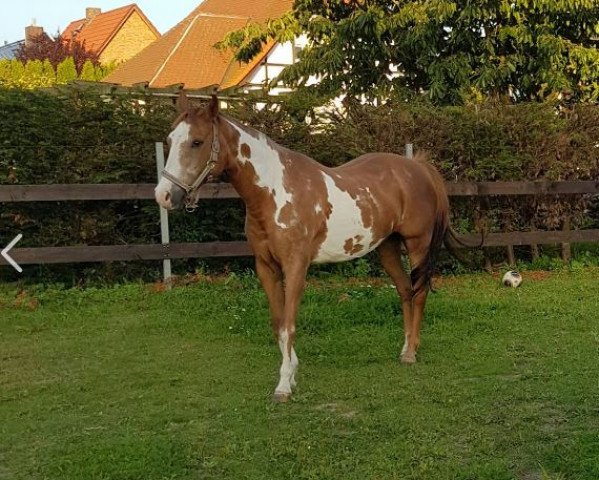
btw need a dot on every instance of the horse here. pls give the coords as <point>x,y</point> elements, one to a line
<point>300,212</point>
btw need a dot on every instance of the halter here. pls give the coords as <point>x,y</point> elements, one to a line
<point>191,196</point>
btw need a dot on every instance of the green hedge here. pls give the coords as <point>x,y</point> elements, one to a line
<point>84,137</point>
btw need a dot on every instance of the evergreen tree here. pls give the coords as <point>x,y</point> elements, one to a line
<point>99,73</point>
<point>33,76</point>
<point>17,72</point>
<point>4,72</point>
<point>103,70</point>
<point>88,72</point>
<point>48,74</point>
<point>66,71</point>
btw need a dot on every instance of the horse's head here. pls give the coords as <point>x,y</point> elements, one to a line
<point>194,154</point>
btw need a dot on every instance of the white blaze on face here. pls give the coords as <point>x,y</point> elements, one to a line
<point>179,140</point>
<point>269,168</point>
<point>344,223</point>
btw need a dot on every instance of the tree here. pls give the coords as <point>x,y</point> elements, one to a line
<point>17,71</point>
<point>56,50</point>
<point>450,50</point>
<point>66,71</point>
<point>88,72</point>
<point>33,75</point>
<point>48,73</point>
<point>4,71</point>
<point>104,70</point>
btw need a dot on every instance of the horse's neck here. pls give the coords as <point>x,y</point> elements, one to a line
<point>259,165</point>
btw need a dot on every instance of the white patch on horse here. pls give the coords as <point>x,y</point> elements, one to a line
<point>405,345</point>
<point>287,366</point>
<point>294,365</point>
<point>318,208</point>
<point>345,222</point>
<point>179,138</point>
<point>269,168</point>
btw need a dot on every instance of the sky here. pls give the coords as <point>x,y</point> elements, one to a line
<point>55,15</point>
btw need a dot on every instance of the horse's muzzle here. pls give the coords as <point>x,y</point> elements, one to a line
<point>169,198</point>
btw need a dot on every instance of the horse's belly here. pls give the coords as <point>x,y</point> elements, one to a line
<point>336,251</point>
<point>346,236</point>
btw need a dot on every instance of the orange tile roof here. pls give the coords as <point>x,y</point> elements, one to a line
<point>101,29</point>
<point>186,53</point>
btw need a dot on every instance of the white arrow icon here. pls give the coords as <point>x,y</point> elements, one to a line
<point>7,257</point>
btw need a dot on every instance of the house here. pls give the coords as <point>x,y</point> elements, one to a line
<point>9,50</point>
<point>116,35</point>
<point>186,53</point>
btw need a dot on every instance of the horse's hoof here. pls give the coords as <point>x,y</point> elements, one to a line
<point>281,397</point>
<point>408,358</point>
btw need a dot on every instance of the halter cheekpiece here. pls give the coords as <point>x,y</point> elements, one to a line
<point>191,191</point>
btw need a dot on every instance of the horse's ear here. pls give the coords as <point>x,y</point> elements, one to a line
<point>183,104</point>
<point>213,106</point>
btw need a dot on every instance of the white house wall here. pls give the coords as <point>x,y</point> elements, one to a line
<point>274,63</point>
<point>281,53</point>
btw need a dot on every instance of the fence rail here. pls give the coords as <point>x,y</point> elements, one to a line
<point>105,192</point>
<point>145,191</point>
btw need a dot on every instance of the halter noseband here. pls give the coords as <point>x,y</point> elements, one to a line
<point>191,197</point>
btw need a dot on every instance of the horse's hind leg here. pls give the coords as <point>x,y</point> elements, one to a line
<point>390,254</point>
<point>418,251</point>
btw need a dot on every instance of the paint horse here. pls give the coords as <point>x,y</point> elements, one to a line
<point>300,212</point>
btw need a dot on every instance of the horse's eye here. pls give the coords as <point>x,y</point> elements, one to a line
<point>196,143</point>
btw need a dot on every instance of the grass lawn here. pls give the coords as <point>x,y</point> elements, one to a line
<point>133,383</point>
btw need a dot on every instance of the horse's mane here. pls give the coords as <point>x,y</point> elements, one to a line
<point>179,119</point>
<point>246,128</point>
<point>258,134</point>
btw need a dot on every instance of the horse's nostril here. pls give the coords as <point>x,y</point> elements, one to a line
<point>167,196</point>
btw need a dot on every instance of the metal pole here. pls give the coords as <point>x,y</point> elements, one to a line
<point>164,230</point>
<point>409,150</point>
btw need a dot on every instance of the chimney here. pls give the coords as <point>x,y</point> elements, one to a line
<point>32,32</point>
<point>91,12</point>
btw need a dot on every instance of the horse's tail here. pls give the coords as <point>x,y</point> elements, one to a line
<point>453,244</point>
<point>422,274</point>
<point>442,234</point>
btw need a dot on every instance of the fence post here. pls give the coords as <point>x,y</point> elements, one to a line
<point>483,222</point>
<point>164,229</point>
<point>534,248</point>
<point>409,150</point>
<point>566,249</point>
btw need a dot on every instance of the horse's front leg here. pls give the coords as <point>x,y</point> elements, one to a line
<point>271,277</point>
<point>295,281</point>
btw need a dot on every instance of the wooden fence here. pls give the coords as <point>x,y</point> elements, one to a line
<point>53,193</point>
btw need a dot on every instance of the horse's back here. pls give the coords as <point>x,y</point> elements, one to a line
<point>414,176</point>
<point>370,161</point>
